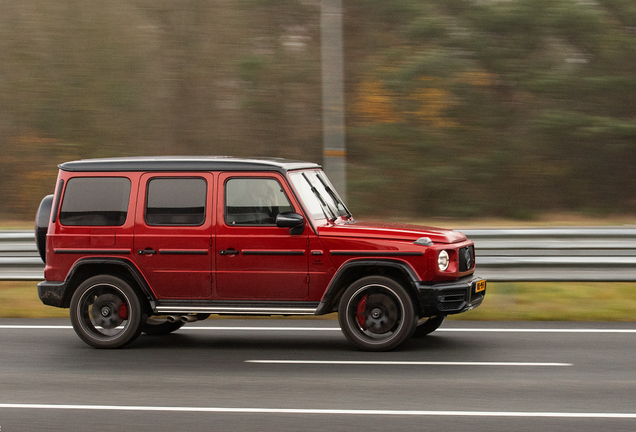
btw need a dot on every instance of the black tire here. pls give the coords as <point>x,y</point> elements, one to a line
<point>428,325</point>
<point>376,314</point>
<point>106,312</point>
<point>160,326</point>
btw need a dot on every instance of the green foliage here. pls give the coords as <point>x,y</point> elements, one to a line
<point>455,108</point>
<point>512,108</point>
<point>148,77</point>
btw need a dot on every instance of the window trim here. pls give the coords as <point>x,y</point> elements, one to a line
<point>240,177</point>
<point>64,185</point>
<point>162,177</point>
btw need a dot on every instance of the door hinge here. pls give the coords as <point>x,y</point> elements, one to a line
<point>307,278</point>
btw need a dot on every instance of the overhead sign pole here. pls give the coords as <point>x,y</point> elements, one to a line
<point>333,125</point>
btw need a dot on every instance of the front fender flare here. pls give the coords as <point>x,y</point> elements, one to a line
<point>340,280</point>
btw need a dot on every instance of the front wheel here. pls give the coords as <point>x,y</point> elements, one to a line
<point>376,314</point>
<point>106,312</point>
<point>160,326</point>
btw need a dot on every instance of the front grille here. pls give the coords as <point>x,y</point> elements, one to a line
<point>466,258</point>
<point>453,299</point>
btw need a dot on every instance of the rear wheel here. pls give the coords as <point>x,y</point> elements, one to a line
<point>376,314</point>
<point>428,325</point>
<point>106,312</point>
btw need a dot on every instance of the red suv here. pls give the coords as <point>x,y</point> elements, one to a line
<point>137,245</point>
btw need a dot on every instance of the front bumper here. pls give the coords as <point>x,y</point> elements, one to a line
<point>445,298</point>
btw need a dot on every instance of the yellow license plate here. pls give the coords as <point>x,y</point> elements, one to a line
<point>480,286</point>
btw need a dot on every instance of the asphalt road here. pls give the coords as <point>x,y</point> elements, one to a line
<point>301,375</point>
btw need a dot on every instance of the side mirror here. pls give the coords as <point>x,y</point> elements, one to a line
<point>291,220</point>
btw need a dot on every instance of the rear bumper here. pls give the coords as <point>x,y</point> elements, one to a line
<point>52,293</point>
<point>445,298</point>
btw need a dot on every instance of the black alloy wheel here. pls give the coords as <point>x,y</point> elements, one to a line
<point>106,312</point>
<point>376,314</point>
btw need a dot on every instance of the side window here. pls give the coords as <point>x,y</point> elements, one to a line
<point>95,201</point>
<point>176,201</point>
<point>254,201</point>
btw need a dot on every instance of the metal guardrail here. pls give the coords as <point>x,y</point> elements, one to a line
<point>556,254</point>
<point>19,258</point>
<point>533,254</point>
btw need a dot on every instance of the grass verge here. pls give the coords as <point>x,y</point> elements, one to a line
<point>16,224</point>
<point>520,301</point>
<point>556,301</point>
<point>20,300</point>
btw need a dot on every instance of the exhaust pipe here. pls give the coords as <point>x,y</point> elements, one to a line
<point>189,318</point>
<point>173,318</point>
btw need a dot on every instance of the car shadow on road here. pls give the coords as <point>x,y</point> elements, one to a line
<point>332,342</point>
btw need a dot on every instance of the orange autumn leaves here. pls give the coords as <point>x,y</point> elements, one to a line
<point>427,103</point>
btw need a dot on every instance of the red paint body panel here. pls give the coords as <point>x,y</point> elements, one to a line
<point>403,232</point>
<point>263,262</point>
<point>182,265</point>
<point>217,260</point>
<point>68,244</point>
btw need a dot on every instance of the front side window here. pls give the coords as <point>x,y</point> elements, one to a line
<point>254,201</point>
<point>95,201</point>
<point>176,201</point>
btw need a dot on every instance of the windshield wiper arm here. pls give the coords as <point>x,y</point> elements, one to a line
<point>334,197</point>
<point>321,200</point>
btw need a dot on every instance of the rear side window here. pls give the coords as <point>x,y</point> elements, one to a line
<point>176,201</point>
<point>95,201</point>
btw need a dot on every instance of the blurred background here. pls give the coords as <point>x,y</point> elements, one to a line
<point>455,108</point>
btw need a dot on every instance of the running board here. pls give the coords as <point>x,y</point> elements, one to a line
<point>163,307</point>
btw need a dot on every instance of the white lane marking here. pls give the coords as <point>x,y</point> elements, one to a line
<point>310,411</point>
<point>495,330</point>
<point>538,330</point>
<point>39,327</point>
<point>228,328</point>
<point>412,363</point>
<point>263,328</point>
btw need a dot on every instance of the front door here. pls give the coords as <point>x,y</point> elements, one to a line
<point>173,234</point>
<point>256,259</point>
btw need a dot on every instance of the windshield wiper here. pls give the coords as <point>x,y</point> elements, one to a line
<point>321,200</point>
<point>335,198</point>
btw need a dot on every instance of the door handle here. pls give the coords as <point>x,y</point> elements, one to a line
<point>146,251</point>
<point>228,252</point>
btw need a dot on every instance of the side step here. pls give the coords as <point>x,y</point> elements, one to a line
<point>164,307</point>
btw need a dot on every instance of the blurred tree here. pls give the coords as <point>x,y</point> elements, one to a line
<point>454,107</point>
<point>493,108</point>
<point>152,77</point>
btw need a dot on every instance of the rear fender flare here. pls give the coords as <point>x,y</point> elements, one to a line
<point>80,271</point>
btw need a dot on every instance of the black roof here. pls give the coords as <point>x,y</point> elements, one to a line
<point>185,163</point>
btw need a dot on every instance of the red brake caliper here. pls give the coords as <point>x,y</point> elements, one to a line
<point>123,311</point>
<point>360,315</point>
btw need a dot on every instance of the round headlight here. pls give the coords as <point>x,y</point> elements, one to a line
<point>442,260</point>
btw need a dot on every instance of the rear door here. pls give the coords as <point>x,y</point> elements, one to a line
<point>255,259</point>
<point>173,233</point>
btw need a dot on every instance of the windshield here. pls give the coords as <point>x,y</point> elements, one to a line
<point>316,192</point>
